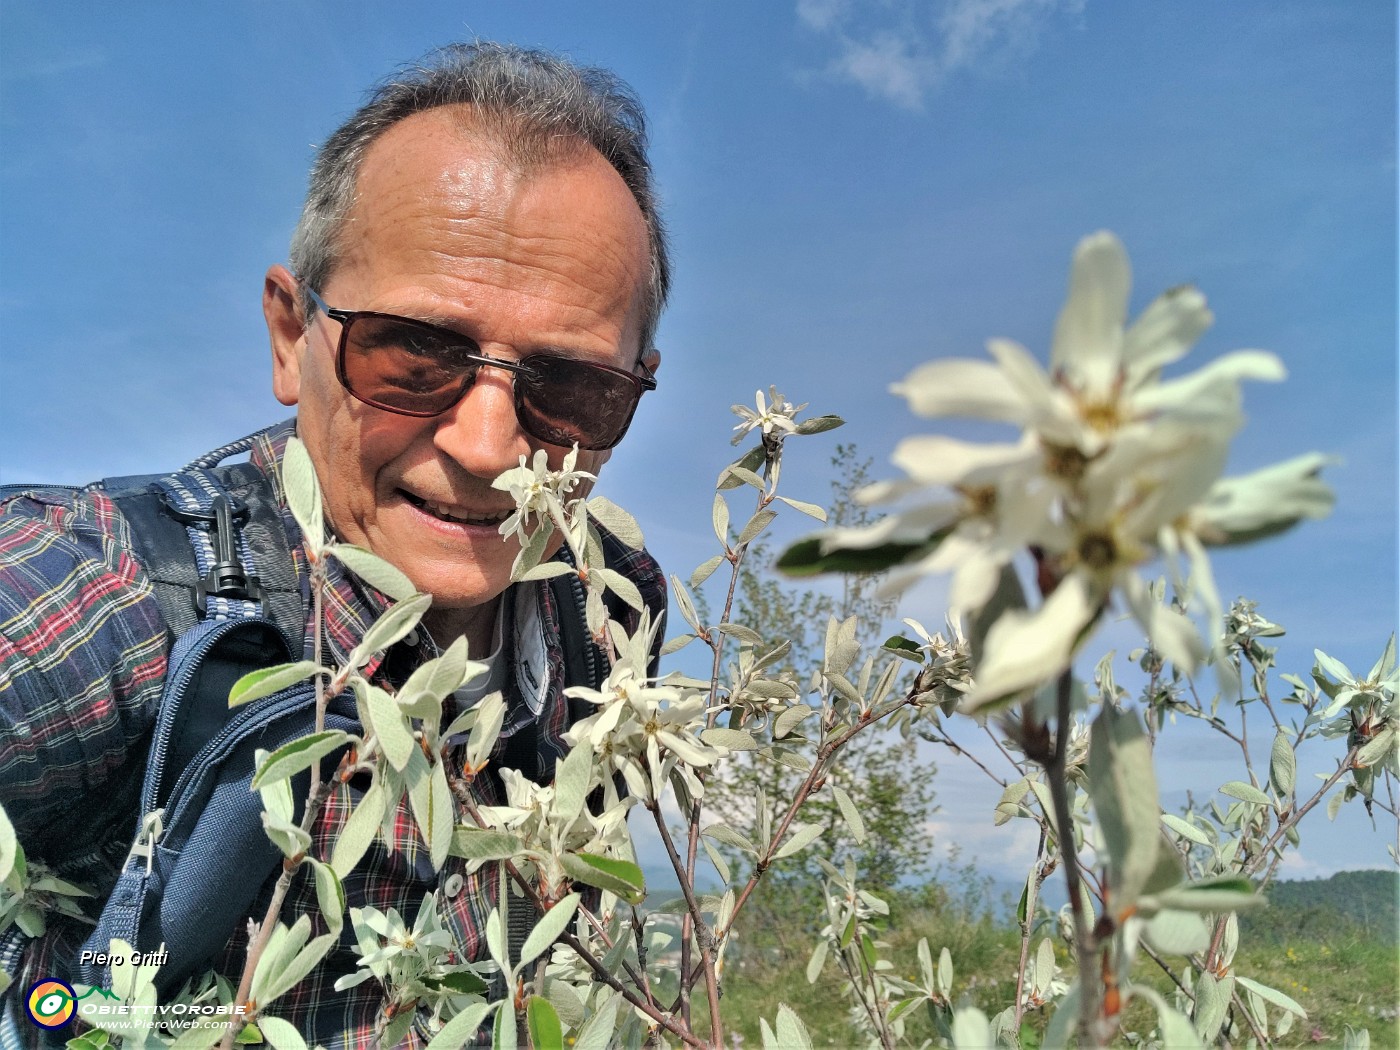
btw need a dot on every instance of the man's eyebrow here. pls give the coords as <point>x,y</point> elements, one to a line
<point>451,325</point>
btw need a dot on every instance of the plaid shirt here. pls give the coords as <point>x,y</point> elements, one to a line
<point>83,649</point>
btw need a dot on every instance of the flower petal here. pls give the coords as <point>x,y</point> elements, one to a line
<point>936,460</point>
<point>1027,649</point>
<point>960,387</point>
<point>1164,333</point>
<point>911,526</point>
<point>1047,409</point>
<point>1207,390</point>
<point>1171,633</point>
<point>1089,332</point>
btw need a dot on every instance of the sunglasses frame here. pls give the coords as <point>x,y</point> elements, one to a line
<point>640,383</point>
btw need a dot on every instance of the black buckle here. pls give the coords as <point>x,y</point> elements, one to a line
<point>225,578</point>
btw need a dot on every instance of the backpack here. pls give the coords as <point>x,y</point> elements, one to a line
<point>199,856</point>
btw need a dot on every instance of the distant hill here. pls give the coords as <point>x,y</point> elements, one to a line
<point>1349,903</point>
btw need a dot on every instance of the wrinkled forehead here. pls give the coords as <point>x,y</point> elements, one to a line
<point>439,198</point>
<point>472,164</point>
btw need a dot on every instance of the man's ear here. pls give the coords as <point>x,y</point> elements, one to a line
<point>287,332</point>
<point>652,360</point>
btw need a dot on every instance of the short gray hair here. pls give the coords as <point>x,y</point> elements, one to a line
<point>537,107</point>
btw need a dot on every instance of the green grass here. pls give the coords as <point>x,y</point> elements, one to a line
<point>1350,981</point>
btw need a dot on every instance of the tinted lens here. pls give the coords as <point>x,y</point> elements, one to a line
<point>406,367</point>
<point>421,370</point>
<point>564,401</point>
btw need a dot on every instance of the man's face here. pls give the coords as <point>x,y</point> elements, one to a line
<point>444,231</point>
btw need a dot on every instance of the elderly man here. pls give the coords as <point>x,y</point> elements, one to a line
<point>477,275</point>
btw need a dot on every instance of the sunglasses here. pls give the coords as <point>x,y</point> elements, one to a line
<point>413,368</point>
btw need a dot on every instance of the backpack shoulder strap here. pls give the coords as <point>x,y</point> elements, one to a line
<point>176,533</point>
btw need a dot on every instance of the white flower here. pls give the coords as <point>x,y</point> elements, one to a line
<point>539,491</point>
<point>645,729</point>
<point>1113,466</point>
<point>770,417</point>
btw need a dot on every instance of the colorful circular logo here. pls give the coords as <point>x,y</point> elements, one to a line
<point>51,1003</point>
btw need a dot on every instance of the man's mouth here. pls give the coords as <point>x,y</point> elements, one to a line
<point>453,513</point>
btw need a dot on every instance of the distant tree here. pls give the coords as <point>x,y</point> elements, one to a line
<point>890,786</point>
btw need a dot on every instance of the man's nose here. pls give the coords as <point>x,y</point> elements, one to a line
<point>481,433</point>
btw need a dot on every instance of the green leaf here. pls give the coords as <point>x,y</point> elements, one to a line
<point>440,677</point>
<point>705,570</point>
<point>395,738</point>
<point>264,682</point>
<point>676,644</point>
<point>619,877</point>
<point>756,525</point>
<point>621,586</point>
<point>817,961</point>
<point>1274,996</point>
<point>552,923</point>
<point>719,518</point>
<point>458,1031</point>
<point>1178,932</point>
<point>1245,793</point>
<point>616,520</point>
<point>1283,766</point>
<point>543,1023</point>
<point>809,509</point>
<point>374,570</point>
<point>303,493</point>
<point>971,1029</point>
<point>1220,894</point>
<point>1174,1029</point>
<point>790,719</point>
<point>1185,829</point>
<point>359,830</point>
<point>733,739</point>
<point>571,779</point>
<point>791,1033</point>
<point>9,845</point>
<point>462,982</point>
<point>727,836</point>
<point>486,730</point>
<point>597,1031</point>
<point>1123,789</point>
<point>849,812</point>
<point>484,844</point>
<point>401,618</point>
<point>687,607</point>
<point>547,571</point>
<point>280,1033</point>
<point>820,424</point>
<point>803,836</point>
<point>905,647</point>
<point>732,476</point>
<point>290,759</point>
<point>746,635</point>
<point>1212,1004</point>
<point>1063,1021</point>
<point>438,831</point>
<point>806,557</point>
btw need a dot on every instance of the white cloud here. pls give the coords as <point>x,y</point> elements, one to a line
<point>902,50</point>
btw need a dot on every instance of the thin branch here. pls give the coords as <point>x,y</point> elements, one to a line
<point>1253,864</point>
<point>315,798</point>
<point>1064,823</point>
<point>703,936</point>
<point>1032,892</point>
<point>941,738</point>
<point>986,728</point>
<point>601,973</point>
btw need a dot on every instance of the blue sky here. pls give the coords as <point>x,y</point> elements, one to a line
<point>853,187</point>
